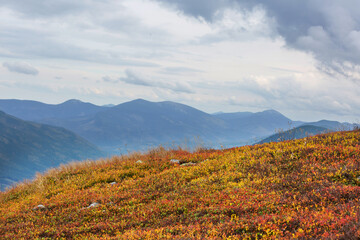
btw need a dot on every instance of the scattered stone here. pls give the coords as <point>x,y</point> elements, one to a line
<point>175,161</point>
<point>93,205</point>
<point>139,161</point>
<point>39,207</point>
<point>188,164</point>
<point>113,183</point>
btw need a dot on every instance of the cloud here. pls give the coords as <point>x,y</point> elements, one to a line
<point>201,8</point>
<point>211,47</point>
<point>21,67</point>
<point>41,8</point>
<point>180,70</point>
<point>327,29</point>
<point>301,92</point>
<point>90,31</point>
<point>42,44</point>
<point>133,78</point>
<point>110,80</point>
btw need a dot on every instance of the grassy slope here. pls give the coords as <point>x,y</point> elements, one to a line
<point>303,188</point>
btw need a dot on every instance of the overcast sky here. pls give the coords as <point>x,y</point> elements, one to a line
<point>300,57</point>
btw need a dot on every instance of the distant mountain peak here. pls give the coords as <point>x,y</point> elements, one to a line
<point>135,102</point>
<point>72,101</point>
<point>139,100</point>
<point>271,111</point>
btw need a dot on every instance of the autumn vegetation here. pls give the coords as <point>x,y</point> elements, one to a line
<point>299,189</point>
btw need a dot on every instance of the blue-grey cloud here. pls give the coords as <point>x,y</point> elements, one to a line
<point>328,29</point>
<point>134,78</point>
<point>21,67</point>
<point>43,8</point>
<point>21,39</point>
<point>110,80</point>
<point>35,43</point>
<point>200,8</point>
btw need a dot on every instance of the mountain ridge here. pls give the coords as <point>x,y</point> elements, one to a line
<point>140,124</point>
<point>28,147</point>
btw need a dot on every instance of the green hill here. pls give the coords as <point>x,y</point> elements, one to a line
<point>27,148</point>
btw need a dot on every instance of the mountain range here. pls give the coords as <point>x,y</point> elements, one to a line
<point>43,135</point>
<point>141,124</point>
<point>27,148</point>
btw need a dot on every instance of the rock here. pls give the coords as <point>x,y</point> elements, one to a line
<point>205,160</point>
<point>113,183</point>
<point>93,205</point>
<point>39,207</point>
<point>139,161</point>
<point>188,164</point>
<point>175,161</point>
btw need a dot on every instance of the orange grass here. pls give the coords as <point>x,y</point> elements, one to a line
<point>301,189</point>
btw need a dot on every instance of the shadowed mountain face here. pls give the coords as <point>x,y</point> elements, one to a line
<point>26,148</point>
<point>296,133</point>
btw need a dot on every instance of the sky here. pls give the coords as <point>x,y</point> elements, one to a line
<point>299,57</point>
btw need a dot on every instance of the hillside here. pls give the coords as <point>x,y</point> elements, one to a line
<point>27,148</point>
<point>295,133</point>
<point>301,189</point>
